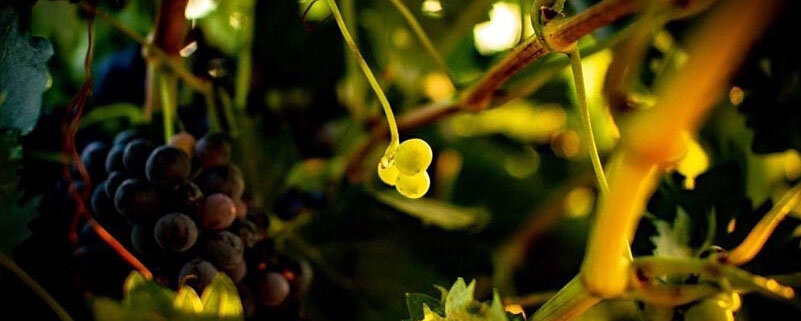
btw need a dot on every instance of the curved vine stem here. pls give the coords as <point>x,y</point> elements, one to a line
<point>423,37</point>
<point>354,49</point>
<point>761,232</point>
<point>35,287</point>
<point>586,125</point>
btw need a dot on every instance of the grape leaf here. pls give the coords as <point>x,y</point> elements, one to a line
<point>187,300</point>
<point>147,295</point>
<point>221,298</point>
<point>459,305</point>
<point>146,300</point>
<point>430,211</point>
<point>23,73</point>
<point>224,27</point>
<point>673,239</point>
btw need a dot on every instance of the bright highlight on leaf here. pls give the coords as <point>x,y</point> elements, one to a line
<point>220,301</point>
<point>432,8</point>
<point>519,119</point>
<point>197,9</point>
<point>221,298</point>
<point>186,300</point>
<point>501,32</point>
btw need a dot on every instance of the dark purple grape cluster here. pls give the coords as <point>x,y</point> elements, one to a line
<point>179,207</point>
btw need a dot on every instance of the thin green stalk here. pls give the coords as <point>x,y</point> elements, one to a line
<point>168,104</point>
<point>35,287</point>
<point>423,37</point>
<point>393,127</point>
<point>586,124</point>
<point>211,109</point>
<point>228,111</point>
<point>244,65</point>
<point>761,232</point>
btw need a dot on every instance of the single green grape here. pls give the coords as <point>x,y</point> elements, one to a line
<point>413,156</point>
<point>388,175</point>
<point>413,186</point>
<point>711,309</point>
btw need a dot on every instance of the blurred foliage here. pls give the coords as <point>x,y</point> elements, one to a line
<point>308,108</point>
<point>146,300</point>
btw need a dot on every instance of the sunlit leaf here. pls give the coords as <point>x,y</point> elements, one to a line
<point>221,298</point>
<point>147,295</point>
<point>187,301</point>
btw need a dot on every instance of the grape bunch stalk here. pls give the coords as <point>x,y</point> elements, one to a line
<point>181,207</point>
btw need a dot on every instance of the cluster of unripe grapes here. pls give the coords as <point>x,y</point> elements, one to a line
<point>179,208</point>
<point>405,167</point>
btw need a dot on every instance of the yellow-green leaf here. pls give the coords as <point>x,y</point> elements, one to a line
<point>439,213</point>
<point>221,298</point>
<point>187,301</point>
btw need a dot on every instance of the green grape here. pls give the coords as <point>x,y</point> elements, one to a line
<point>413,156</point>
<point>711,309</point>
<point>388,175</point>
<point>413,186</point>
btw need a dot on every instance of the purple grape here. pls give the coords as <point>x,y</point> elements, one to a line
<point>142,239</point>
<point>219,212</point>
<point>223,249</point>
<point>236,272</point>
<point>175,232</point>
<point>94,159</point>
<point>137,201</point>
<point>185,198</point>
<point>167,166</point>
<point>272,289</point>
<point>114,181</point>
<point>197,274</point>
<point>135,156</point>
<point>114,159</point>
<point>126,136</point>
<point>213,150</point>
<point>225,179</point>
<point>246,230</point>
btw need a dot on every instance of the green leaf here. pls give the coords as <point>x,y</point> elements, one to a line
<point>221,298</point>
<point>459,296</point>
<point>23,73</point>
<point>673,240</point>
<point>14,220</point>
<point>187,301</point>
<point>147,295</point>
<point>435,212</point>
<point>224,28</point>
<point>459,305</point>
<point>415,303</point>
<point>128,111</point>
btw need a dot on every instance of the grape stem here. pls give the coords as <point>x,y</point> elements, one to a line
<point>35,287</point>
<point>586,124</point>
<point>759,234</point>
<point>354,49</point>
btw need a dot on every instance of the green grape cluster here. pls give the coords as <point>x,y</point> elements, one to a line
<point>405,167</point>
<point>717,308</point>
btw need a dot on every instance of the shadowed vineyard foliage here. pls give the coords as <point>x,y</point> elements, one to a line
<point>435,160</point>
